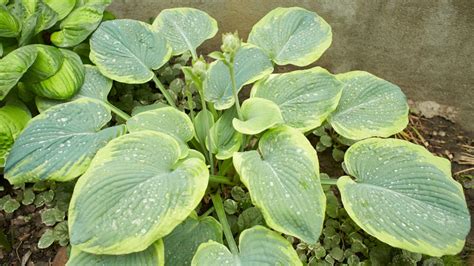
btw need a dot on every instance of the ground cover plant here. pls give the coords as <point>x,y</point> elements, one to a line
<point>150,185</point>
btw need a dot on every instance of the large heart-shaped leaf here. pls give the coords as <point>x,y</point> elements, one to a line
<point>292,36</point>
<point>144,188</point>
<point>60,143</point>
<point>48,61</point>
<point>258,246</point>
<point>258,115</point>
<point>405,196</point>
<point>369,106</point>
<point>182,243</point>
<point>283,181</point>
<point>250,64</point>
<point>185,28</point>
<point>13,66</point>
<point>225,139</point>
<point>168,120</point>
<point>152,256</point>
<point>9,25</point>
<point>65,82</point>
<point>13,119</point>
<point>95,86</point>
<point>77,26</point>
<point>127,50</point>
<point>62,7</point>
<point>305,97</point>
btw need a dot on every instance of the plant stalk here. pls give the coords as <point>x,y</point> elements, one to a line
<point>217,201</point>
<point>163,91</point>
<point>328,181</point>
<point>117,111</point>
<point>220,179</point>
<point>234,90</point>
<point>208,212</point>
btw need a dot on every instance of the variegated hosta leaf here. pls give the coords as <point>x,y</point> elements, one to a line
<point>9,25</point>
<point>305,97</point>
<point>369,106</point>
<point>47,63</point>
<point>292,36</point>
<point>168,120</point>
<point>128,50</point>
<point>203,121</point>
<point>251,64</point>
<point>62,7</point>
<point>405,196</point>
<point>13,119</point>
<point>283,181</point>
<point>185,28</point>
<point>95,86</point>
<point>258,115</point>
<point>60,143</point>
<point>258,246</point>
<point>36,17</point>
<point>225,139</point>
<point>152,256</point>
<point>65,82</point>
<point>78,25</point>
<point>13,66</point>
<point>182,243</point>
<point>145,190</point>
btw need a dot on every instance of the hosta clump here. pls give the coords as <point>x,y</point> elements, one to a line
<point>140,183</point>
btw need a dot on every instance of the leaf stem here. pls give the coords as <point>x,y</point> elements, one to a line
<point>217,201</point>
<point>207,213</point>
<point>163,91</point>
<point>234,90</point>
<point>117,111</point>
<point>220,179</point>
<point>328,181</point>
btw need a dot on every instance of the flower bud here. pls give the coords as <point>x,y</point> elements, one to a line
<point>230,42</point>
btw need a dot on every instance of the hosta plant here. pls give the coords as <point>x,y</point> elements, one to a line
<point>141,182</point>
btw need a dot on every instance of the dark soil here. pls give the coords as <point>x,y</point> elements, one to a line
<point>440,136</point>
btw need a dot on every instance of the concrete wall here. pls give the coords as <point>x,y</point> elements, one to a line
<point>426,47</point>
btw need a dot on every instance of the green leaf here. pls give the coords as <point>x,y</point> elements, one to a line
<point>152,256</point>
<point>249,218</point>
<point>305,97</point>
<point>225,140</point>
<point>167,120</point>
<point>13,119</point>
<point>36,17</point>
<point>292,36</point>
<point>258,115</point>
<point>52,216</point>
<point>60,143</point>
<point>62,7</point>
<point>9,25</point>
<point>65,82</point>
<point>258,246</point>
<point>369,107</point>
<point>127,50</point>
<point>78,25</point>
<point>11,205</point>
<point>28,197</point>
<point>185,28</point>
<point>182,243</point>
<point>48,61</point>
<point>46,239</point>
<point>145,190</point>
<point>13,66</point>
<point>283,181</point>
<point>200,125</point>
<point>250,65</point>
<point>405,196</point>
<point>95,86</point>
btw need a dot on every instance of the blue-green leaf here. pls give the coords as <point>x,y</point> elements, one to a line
<point>128,50</point>
<point>369,106</point>
<point>292,36</point>
<point>225,139</point>
<point>305,97</point>
<point>283,181</point>
<point>152,256</point>
<point>185,28</point>
<point>258,246</point>
<point>405,196</point>
<point>250,65</point>
<point>182,243</point>
<point>60,143</point>
<point>145,188</point>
